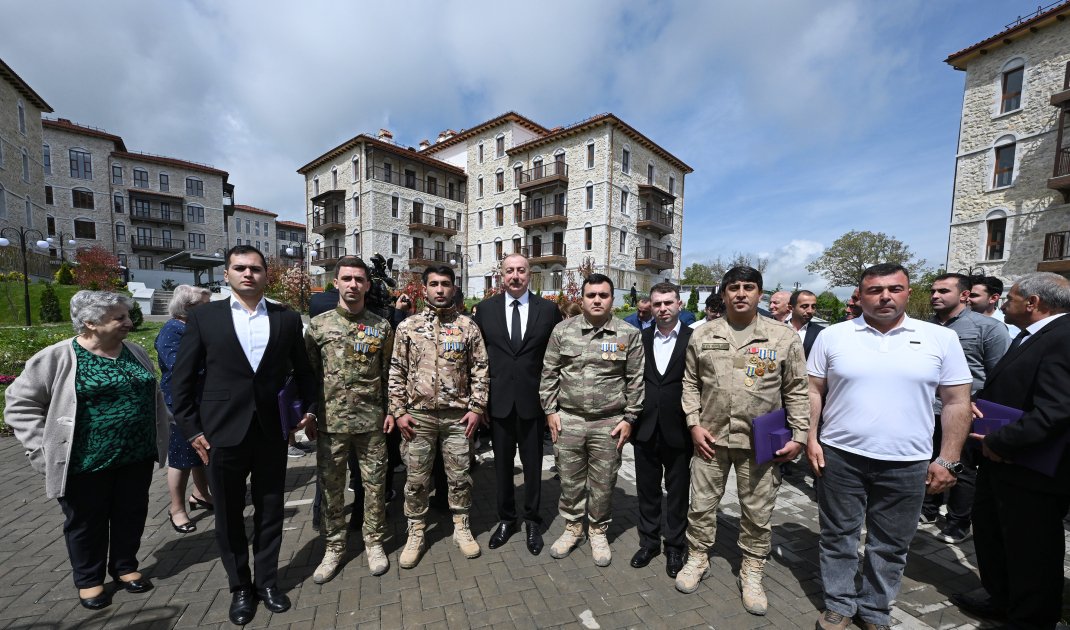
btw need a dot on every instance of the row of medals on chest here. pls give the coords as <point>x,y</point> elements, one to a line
<point>368,340</point>
<point>761,361</point>
<point>452,342</point>
<point>610,350</point>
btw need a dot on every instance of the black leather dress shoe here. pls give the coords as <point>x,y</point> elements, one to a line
<point>979,606</point>
<point>140,585</point>
<point>242,606</point>
<point>643,557</point>
<point>96,603</point>
<point>534,538</point>
<point>274,600</point>
<point>674,562</point>
<point>502,533</point>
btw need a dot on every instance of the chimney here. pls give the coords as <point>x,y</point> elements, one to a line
<point>424,144</point>
<point>386,136</point>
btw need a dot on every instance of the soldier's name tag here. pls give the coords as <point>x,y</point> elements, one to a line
<point>723,345</point>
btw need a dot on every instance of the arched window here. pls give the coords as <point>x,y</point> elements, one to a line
<point>995,235</point>
<point>82,198</point>
<point>120,233</point>
<point>141,178</point>
<point>1011,85</point>
<point>22,117</point>
<point>194,187</point>
<point>117,202</point>
<point>1003,153</point>
<point>25,166</point>
<point>46,158</point>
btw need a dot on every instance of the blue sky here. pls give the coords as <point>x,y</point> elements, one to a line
<point>802,119</point>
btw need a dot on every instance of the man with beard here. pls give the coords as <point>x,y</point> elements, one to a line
<point>438,394</point>
<point>739,367</point>
<point>592,394</point>
<point>516,326</point>
<point>349,349</point>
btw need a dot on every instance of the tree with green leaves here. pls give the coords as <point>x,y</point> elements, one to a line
<point>842,263</point>
<point>829,307</point>
<point>65,274</point>
<point>692,300</point>
<point>50,310</point>
<point>136,316</point>
<point>698,274</point>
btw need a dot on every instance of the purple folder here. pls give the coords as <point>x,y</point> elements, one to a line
<point>290,406</point>
<point>1043,459</point>
<point>770,433</point>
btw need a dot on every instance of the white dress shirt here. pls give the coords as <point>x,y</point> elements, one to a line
<point>1035,327</point>
<point>524,299</point>
<point>663,347</point>
<point>801,331</point>
<point>253,330</point>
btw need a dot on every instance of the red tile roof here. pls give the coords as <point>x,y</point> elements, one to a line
<point>291,224</point>
<point>594,121</point>
<point>253,210</point>
<point>167,161</point>
<point>409,154</point>
<point>23,87</point>
<point>63,124</point>
<point>464,134</point>
<point>1045,16</point>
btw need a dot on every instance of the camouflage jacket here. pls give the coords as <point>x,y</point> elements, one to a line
<point>351,356</point>
<point>439,362</point>
<point>726,387</point>
<point>594,372</point>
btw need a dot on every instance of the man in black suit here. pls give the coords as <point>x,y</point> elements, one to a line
<point>245,347</point>
<point>516,327</point>
<point>803,307</point>
<point>1018,513</point>
<point>662,440</point>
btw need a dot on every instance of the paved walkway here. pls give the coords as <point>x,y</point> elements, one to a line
<point>504,588</point>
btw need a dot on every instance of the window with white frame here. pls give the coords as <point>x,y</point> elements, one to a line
<point>499,146</point>
<point>1003,167</point>
<point>395,203</point>
<point>355,162</point>
<point>589,192</point>
<point>334,178</point>
<point>672,184</point>
<point>624,201</point>
<point>1011,81</point>
<point>590,154</point>
<point>995,246</point>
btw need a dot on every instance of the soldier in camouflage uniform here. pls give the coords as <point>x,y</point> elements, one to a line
<point>592,392</point>
<point>438,393</point>
<point>349,349</point>
<point>738,368</point>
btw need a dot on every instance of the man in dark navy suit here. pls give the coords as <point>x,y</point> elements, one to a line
<point>662,440</point>
<point>245,347</point>
<point>516,327</point>
<point>1018,512</point>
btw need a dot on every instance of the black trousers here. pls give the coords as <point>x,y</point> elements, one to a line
<point>653,460</point>
<point>509,434</point>
<point>1018,536</point>
<point>959,498</point>
<point>104,518</point>
<point>262,459</point>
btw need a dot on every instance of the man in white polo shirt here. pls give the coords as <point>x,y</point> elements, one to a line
<point>872,383</point>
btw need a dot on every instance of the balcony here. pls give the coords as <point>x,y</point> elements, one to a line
<point>1062,99</point>
<point>1060,177</point>
<point>327,256</point>
<point>153,244</point>
<point>329,197</point>
<point>655,220</point>
<point>659,195</point>
<point>323,222</point>
<point>432,222</point>
<point>169,217</point>
<point>534,215</point>
<point>543,176</point>
<point>427,256</point>
<point>298,252</point>
<point>545,254</point>
<point>145,193</point>
<point>653,257</point>
<point>450,190</point>
<point>1056,253</point>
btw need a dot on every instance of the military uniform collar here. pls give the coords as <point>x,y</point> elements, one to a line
<point>610,325</point>
<point>721,328</point>
<point>353,317</point>
<point>447,314</point>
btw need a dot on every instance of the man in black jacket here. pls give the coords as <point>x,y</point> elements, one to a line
<point>516,326</point>
<point>245,347</point>
<point>662,439</point>
<point>1018,512</point>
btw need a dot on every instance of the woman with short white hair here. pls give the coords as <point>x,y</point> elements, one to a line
<point>92,418</point>
<point>182,460</point>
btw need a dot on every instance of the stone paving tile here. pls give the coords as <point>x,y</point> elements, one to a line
<point>504,588</point>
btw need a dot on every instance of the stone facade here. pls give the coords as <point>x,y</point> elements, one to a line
<point>509,204</point>
<point>22,167</point>
<point>1002,212</point>
<point>253,226</point>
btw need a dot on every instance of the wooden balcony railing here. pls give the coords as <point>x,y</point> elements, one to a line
<point>447,190</point>
<point>1055,246</point>
<point>544,174</point>
<point>532,214</point>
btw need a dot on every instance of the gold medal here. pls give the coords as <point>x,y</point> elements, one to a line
<point>760,371</point>
<point>605,355</point>
<point>770,366</point>
<point>753,360</point>
<point>620,347</point>
<point>363,358</point>
<point>375,348</point>
<point>361,335</point>
<point>748,381</point>
<point>613,356</point>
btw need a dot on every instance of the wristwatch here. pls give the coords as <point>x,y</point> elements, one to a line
<point>956,468</point>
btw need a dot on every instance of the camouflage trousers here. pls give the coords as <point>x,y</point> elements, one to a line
<point>757,488</point>
<point>332,456</point>
<point>587,460</point>
<point>442,430</point>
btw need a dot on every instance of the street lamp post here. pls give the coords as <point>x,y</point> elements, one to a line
<point>23,234</point>
<point>61,239</point>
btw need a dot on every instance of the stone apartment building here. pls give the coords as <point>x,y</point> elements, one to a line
<point>23,160</point>
<point>145,208</point>
<point>253,226</point>
<point>1011,208</point>
<point>597,191</point>
<point>291,240</point>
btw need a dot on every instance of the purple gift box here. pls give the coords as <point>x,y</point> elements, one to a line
<point>770,433</point>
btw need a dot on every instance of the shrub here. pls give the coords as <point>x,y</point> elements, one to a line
<point>98,269</point>
<point>50,311</point>
<point>168,284</point>
<point>692,300</point>
<point>136,315</point>
<point>65,274</point>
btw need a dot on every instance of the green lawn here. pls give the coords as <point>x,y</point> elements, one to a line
<point>18,344</point>
<point>12,310</point>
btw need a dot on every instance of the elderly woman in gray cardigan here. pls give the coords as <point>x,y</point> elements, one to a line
<point>90,413</point>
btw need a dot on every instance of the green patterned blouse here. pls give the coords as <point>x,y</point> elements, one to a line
<point>116,419</point>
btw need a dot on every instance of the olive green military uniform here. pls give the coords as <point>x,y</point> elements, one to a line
<point>351,355</point>
<point>593,378</point>
<point>726,386</point>
<point>438,373</point>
